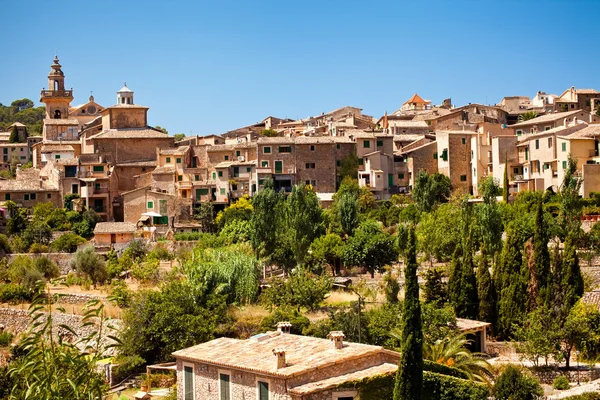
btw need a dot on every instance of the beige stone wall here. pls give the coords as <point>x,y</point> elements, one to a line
<point>105,238</point>
<point>116,118</point>
<point>591,179</point>
<point>129,150</point>
<point>288,159</point>
<point>135,205</point>
<point>458,166</point>
<point>422,159</point>
<point>324,171</point>
<point>53,197</point>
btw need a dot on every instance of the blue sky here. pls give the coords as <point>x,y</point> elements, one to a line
<point>211,66</point>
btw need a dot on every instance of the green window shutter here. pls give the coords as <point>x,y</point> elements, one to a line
<point>178,160</point>
<point>338,163</point>
<point>379,143</point>
<point>261,182</point>
<point>526,154</point>
<point>236,171</point>
<point>196,177</point>
<point>267,149</point>
<point>390,180</point>
<point>214,176</point>
<point>226,158</point>
<point>464,140</point>
<point>220,174</point>
<point>188,383</point>
<point>337,146</point>
<point>537,143</point>
<point>150,204</point>
<point>222,191</point>
<point>361,161</point>
<point>7,196</point>
<point>225,386</point>
<point>564,163</point>
<point>98,168</point>
<point>463,178</point>
<point>179,178</point>
<point>278,167</point>
<point>263,390</point>
<point>564,146</point>
<point>519,132</point>
<point>237,153</point>
<point>400,176</point>
<point>264,164</point>
<point>435,156</point>
<point>249,169</point>
<point>366,144</point>
<point>168,160</point>
<point>26,196</point>
<point>57,156</point>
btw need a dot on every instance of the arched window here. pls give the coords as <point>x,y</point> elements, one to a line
<point>56,114</point>
<point>122,100</point>
<point>55,85</point>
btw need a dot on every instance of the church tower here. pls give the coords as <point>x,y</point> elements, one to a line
<point>56,98</point>
<point>125,95</point>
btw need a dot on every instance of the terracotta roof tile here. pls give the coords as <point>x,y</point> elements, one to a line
<point>131,133</point>
<point>115,227</point>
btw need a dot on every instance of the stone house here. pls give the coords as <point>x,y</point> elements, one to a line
<point>111,233</point>
<point>583,145</point>
<point>578,99</point>
<point>29,188</point>
<point>171,208</point>
<point>277,160</point>
<point>278,365</point>
<point>504,155</point>
<point>423,157</point>
<point>454,158</point>
<point>554,120</point>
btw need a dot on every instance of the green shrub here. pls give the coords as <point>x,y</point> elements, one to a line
<point>37,248</point>
<point>128,365</point>
<point>120,294</point>
<point>5,244</point>
<point>444,387</point>
<point>12,293</point>
<point>584,396</point>
<point>512,384</point>
<point>67,243</point>
<point>561,382</point>
<point>46,267</point>
<point>5,338</point>
<point>443,369</point>
<point>160,253</point>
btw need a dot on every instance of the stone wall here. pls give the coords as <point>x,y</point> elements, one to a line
<point>584,375</point>
<point>17,321</point>
<point>63,260</point>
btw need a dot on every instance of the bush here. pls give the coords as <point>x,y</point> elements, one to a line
<point>444,387</point>
<point>443,369</point>
<point>160,253</point>
<point>299,322</point>
<point>561,383</point>
<point>12,293</point>
<point>160,380</point>
<point>128,365</point>
<point>5,244</point>
<point>512,384</point>
<point>146,271</point>
<point>46,267</point>
<point>584,396</point>
<point>67,243</point>
<point>5,338</point>
<point>120,294</point>
<point>37,248</point>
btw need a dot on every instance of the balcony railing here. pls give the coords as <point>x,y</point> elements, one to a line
<point>57,93</point>
<point>100,190</point>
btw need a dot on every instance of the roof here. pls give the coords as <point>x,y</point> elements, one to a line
<point>167,169</point>
<point>141,163</point>
<point>303,353</point>
<point>415,99</point>
<point>60,121</point>
<point>28,180</point>
<point>275,140</point>
<point>465,325</point>
<point>115,227</point>
<point>590,132</point>
<point>131,133</point>
<point>125,89</point>
<point>334,381</point>
<point>177,150</point>
<point>46,148</point>
<point>406,137</point>
<point>322,139</point>
<point>16,124</point>
<point>126,106</point>
<point>403,123</point>
<point>545,118</point>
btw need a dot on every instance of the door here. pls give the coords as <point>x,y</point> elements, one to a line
<point>263,390</point>
<point>278,167</point>
<point>390,180</point>
<point>188,383</point>
<point>74,188</point>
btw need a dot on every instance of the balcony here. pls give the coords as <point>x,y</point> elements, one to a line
<point>57,93</point>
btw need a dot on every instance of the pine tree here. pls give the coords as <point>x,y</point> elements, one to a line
<point>541,257</point>
<point>485,291</point>
<point>506,184</point>
<point>409,378</point>
<point>510,284</point>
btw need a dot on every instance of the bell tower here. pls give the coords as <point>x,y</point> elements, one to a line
<point>56,98</point>
<point>125,95</point>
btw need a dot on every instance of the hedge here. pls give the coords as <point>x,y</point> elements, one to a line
<point>443,369</point>
<point>584,396</point>
<point>443,387</point>
<point>435,387</point>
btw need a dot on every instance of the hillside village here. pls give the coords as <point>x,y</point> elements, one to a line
<point>304,259</point>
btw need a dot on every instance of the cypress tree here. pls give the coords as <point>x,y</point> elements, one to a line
<point>14,135</point>
<point>505,188</point>
<point>570,285</point>
<point>485,291</point>
<point>466,302</point>
<point>409,378</point>
<point>511,286</point>
<point>541,257</point>
<point>455,274</point>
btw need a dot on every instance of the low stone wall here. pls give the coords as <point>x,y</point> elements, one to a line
<point>585,375</point>
<point>18,321</point>
<point>500,349</point>
<point>63,260</point>
<point>71,298</point>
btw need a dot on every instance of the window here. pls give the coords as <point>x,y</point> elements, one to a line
<point>515,170</point>
<point>464,140</point>
<point>222,191</point>
<point>345,395</point>
<point>57,156</point>
<point>188,382</point>
<point>263,390</point>
<point>264,164</point>
<point>463,178</point>
<point>366,144</point>
<point>564,164</point>
<point>26,195</point>
<point>7,196</point>
<point>400,176</point>
<point>519,132</point>
<point>312,148</point>
<point>361,161</point>
<point>547,128</point>
<point>49,196</point>
<point>233,186</point>
<point>310,165</point>
<point>267,150</point>
<point>237,153</point>
<point>201,192</point>
<point>220,174</point>
<point>285,149</point>
<point>278,167</point>
<point>168,160</point>
<point>549,142</point>
<point>224,386</point>
<point>248,169</point>
<point>564,146</point>
<point>435,156</point>
<point>337,146</point>
<point>338,163</point>
<point>196,177</point>
<point>178,160</point>
<point>526,153</point>
<point>5,150</point>
<point>150,204</point>
<point>194,162</point>
<point>537,144</point>
<point>179,178</point>
<point>226,158</point>
<point>445,155</point>
<point>379,143</point>
<point>98,168</point>
<point>214,176</point>
<point>261,182</point>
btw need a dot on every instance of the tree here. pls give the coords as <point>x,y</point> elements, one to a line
<point>435,289</point>
<point>430,190</point>
<point>348,167</point>
<point>87,262</point>
<point>328,249</point>
<point>409,378</point>
<point>568,286</point>
<point>464,289</point>
<point>347,212</point>
<point>14,135</point>
<point>541,258</point>
<point>179,315</point>
<point>160,128</point>
<point>506,185</point>
<point>438,233</point>
<point>512,384</point>
<point>538,336</point>
<point>269,132</point>
<point>265,219</point>
<point>570,204</point>
<point>527,116</point>
<point>179,137</point>
<point>370,247</point>
<point>37,232</point>
<point>67,243</point>
<point>17,221</point>
<point>60,366</point>
<point>20,105</point>
<point>205,214</point>
<point>303,220</point>
<point>485,291</point>
<point>489,219</point>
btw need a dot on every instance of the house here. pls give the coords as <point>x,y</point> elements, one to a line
<point>553,120</point>
<point>278,365</point>
<point>416,103</point>
<point>111,233</point>
<point>30,187</point>
<point>578,99</point>
<point>583,145</point>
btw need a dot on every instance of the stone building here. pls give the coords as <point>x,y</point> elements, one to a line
<point>30,187</point>
<point>278,365</point>
<point>578,99</point>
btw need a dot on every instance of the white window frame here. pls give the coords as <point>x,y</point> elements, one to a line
<point>264,380</point>
<point>183,365</point>
<point>348,393</point>
<point>228,373</point>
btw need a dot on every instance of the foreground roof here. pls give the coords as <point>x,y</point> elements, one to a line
<point>115,227</point>
<point>131,133</point>
<point>545,118</point>
<point>302,353</point>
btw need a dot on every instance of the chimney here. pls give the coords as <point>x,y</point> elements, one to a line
<point>338,339</point>
<point>284,327</point>
<point>280,354</point>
